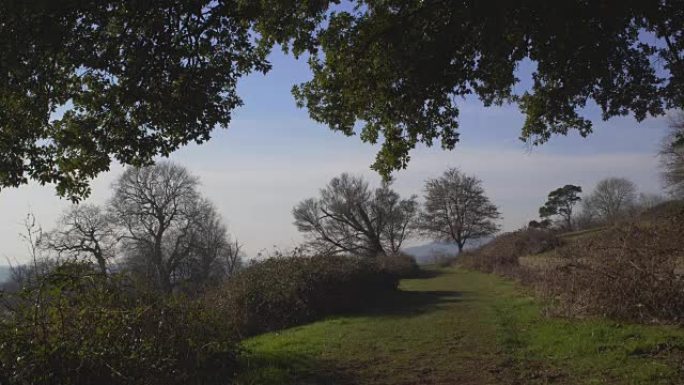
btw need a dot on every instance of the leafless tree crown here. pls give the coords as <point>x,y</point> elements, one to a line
<point>83,232</point>
<point>156,225</point>
<point>457,210</point>
<point>350,217</point>
<point>612,199</point>
<point>672,157</point>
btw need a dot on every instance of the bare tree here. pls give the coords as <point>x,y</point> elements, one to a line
<point>399,217</point>
<point>170,232</point>
<point>457,210</point>
<point>212,255</point>
<point>40,263</point>
<point>349,217</point>
<point>83,232</point>
<point>231,259</point>
<point>612,199</point>
<point>672,157</point>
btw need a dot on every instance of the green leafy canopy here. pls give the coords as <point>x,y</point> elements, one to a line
<point>82,83</point>
<point>561,202</point>
<point>133,80</point>
<point>399,66</point>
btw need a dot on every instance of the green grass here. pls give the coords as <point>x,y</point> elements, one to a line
<point>592,351</point>
<point>457,326</point>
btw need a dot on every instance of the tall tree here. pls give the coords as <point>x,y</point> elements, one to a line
<point>612,199</point>
<point>561,202</point>
<point>212,255</point>
<point>672,157</point>
<point>82,83</point>
<point>171,234</point>
<point>349,217</point>
<point>457,210</point>
<point>231,258</point>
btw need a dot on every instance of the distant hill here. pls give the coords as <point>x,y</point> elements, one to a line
<point>427,253</point>
<point>4,273</point>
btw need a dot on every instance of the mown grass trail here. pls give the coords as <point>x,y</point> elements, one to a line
<point>460,327</point>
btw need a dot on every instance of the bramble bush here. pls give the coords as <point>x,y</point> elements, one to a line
<point>631,271</point>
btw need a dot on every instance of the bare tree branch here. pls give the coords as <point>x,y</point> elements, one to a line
<point>457,210</point>
<point>351,218</point>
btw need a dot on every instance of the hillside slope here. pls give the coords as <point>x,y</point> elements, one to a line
<point>460,327</point>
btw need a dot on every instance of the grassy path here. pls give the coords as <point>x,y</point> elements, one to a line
<point>460,327</point>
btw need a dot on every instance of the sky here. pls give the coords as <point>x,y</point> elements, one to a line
<point>272,156</point>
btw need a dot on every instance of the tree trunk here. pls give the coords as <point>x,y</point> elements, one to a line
<point>163,273</point>
<point>164,278</point>
<point>102,264</point>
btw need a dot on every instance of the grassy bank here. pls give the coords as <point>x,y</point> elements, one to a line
<point>457,326</point>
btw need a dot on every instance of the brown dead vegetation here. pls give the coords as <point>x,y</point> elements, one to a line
<point>631,271</point>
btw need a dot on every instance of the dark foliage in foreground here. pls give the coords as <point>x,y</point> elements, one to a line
<point>140,79</point>
<point>76,327</point>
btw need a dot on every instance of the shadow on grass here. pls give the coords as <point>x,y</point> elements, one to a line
<point>427,272</point>
<point>409,303</point>
<point>290,368</point>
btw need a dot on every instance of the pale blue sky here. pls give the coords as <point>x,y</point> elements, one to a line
<point>273,155</point>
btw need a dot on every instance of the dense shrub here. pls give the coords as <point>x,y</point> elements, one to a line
<point>398,265</point>
<point>282,292</point>
<point>631,273</point>
<point>77,327</point>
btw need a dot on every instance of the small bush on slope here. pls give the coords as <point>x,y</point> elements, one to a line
<point>501,255</point>
<point>399,265</point>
